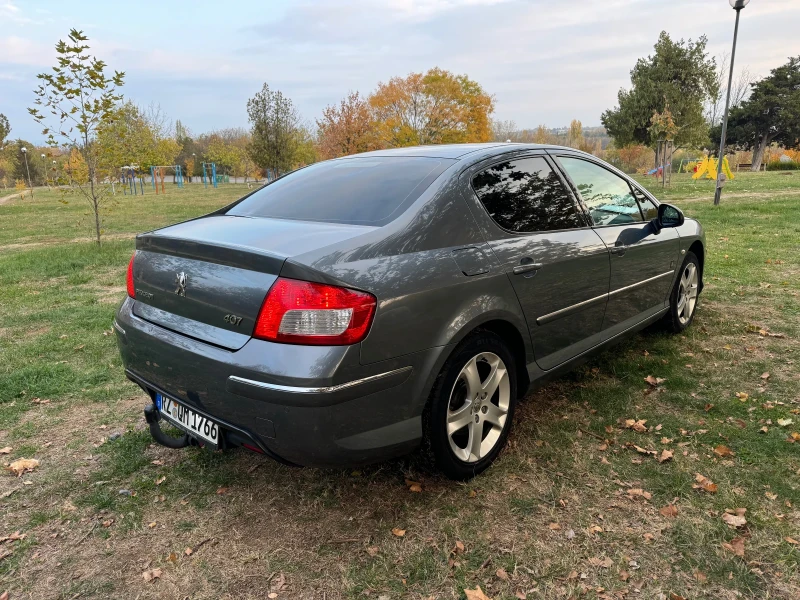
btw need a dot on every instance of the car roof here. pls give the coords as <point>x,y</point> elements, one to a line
<point>454,151</point>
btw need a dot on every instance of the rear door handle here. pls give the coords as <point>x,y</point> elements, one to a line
<point>527,267</point>
<point>620,250</point>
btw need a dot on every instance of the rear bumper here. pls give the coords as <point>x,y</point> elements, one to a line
<point>315,406</point>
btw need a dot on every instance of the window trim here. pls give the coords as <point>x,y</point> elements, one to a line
<point>556,152</point>
<point>473,170</point>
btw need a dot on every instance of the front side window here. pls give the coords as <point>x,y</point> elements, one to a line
<point>649,209</point>
<point>525,195</point>
<point>607,196</point>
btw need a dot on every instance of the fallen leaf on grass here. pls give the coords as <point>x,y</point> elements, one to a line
<point>501,574</point>
<point>640,493</point>
<point>554,526</point>
<point>151,575</point>
<point>665,456</point>
<point>765,376</point>
<point>4,596</point>
<point>6,450</point>
<point>14,537</point>
<point>785,422</point>
<point>743,396</point>
<point>221,491</point>
<point>736,546</point>
<point>161,480</point>
<point>459,548</point>
<point>156,462</point>
<point>704,483</point>
<point>152,524</point>
<point>638,426</point>
<point>670,510</point>
<point>792,541</point>
<point>23,465</point>
<point>723,451</point>
<point>673,595</point>
<point>414,486</point>
<point>735,518</point>
<point>398,532</point>
<point>700,576</point>
<point>605,563</point>
<point>476,594</point>
<point>654,381</point>
<point>373,551</point>
<point>173,557</point>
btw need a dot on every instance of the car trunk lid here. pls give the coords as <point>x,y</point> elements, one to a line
<point>208,278</point>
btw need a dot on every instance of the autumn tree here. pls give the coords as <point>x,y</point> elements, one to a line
<point>770,114</point>
<point>346,128</point>
<point>679,74</point>
<point>432,108</point>
<point>274,121</point>
<point>73,104</point>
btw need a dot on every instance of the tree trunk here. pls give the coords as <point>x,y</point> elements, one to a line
<point>758,152</point>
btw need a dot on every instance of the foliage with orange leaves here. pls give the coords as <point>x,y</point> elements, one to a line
<point>346,128</point>
<point>436,107</point>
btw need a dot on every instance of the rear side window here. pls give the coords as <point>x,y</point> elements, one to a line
<point>607,196</point>
<point>525,195</point>
<point>355,191</point>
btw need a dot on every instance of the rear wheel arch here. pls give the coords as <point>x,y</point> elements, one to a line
<point>699,251</point>
<point>516,343</point>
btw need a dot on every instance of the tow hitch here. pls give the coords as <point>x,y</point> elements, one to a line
<point>152,416</point>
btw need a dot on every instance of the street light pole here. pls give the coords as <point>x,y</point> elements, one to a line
<point>25,154</point>
<point>737,5</point>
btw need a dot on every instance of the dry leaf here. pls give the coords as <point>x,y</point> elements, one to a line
<point>4,596</point>
<point>638,492</point>
<point>459,548</point>
<point>704,483</point>
<point>735,546</point>
<point>398,532</point>
<point>734,520</point>
<point>743,396</point>
<point>476,594</point>
<point>601,562</point>
<point>501,574</point>
<point>792,541</point>
<point>23,465</point>
<point>654,381</point>
<point>151,575</point>
<point>221,491</point>
<point>700,576</point>
<point>414,486</point>
<point>665,456</point>
<point>673,595</point>
<point>161,480</point>
<point>765,376</point>
<point>723,451</point>
<point>152,524</point>
<point>188,551</point>
<point>670,510</point>
<point>554,526</point>
<point>785,422</point>
<point>173,557</point>
<point>638,426</point>
<point>6,450</point>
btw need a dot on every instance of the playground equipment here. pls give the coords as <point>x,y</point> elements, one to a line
<point>210,171</point>
<point>130,176</point>
<point>708,168</point>
<point>157,171</point>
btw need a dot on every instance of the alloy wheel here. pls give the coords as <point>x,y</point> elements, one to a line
<point>687,293</point>
<point>478,407</point>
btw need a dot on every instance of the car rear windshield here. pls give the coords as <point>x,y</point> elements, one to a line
<point>357,191</point>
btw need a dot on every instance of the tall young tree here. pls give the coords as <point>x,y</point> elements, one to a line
<point>678,74</point>
<point>346,128</point>
<point>275,122</point>
<point>73,105</point>
<point>770,114</point>
<point>432,108</point>
<point>5,128</point>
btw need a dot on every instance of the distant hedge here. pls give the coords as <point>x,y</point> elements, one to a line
<point>777,165</point>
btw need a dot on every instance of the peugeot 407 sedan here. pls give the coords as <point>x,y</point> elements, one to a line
<point>350,310</point>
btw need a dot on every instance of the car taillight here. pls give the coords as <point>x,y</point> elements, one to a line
<point>129,278</point>
<point>302,312</point>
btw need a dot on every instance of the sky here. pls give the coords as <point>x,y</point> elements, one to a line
<point>546,62</point>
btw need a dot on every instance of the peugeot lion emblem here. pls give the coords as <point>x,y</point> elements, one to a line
<point>180,280</point>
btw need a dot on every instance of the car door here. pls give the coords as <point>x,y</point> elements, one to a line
<point>558,265</point>
<point>643,261</point>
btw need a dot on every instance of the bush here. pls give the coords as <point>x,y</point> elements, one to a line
<point>776,165</point>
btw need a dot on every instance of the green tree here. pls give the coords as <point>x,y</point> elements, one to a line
<point>770,115</point>
<point>5,128</point>
<point>275,122</point>
<point>680,75</point>
<point>73,105</point>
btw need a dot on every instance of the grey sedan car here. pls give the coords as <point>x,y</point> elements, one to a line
<point>356,308</point>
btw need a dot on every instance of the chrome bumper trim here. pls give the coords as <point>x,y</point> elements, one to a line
<point>316,390</point>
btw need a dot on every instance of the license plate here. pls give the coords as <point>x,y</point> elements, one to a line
<point>188,420</point>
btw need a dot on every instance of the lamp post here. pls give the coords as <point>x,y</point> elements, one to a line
<point>736,5</point>
<point>25,154</point>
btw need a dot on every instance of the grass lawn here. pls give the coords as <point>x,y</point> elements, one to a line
<point>584,503</point>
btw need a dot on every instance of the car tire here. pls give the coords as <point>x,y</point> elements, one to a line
<point>467,426</point>
<point>684,296</point>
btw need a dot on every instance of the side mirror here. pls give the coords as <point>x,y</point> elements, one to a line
<point>668,216</point>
